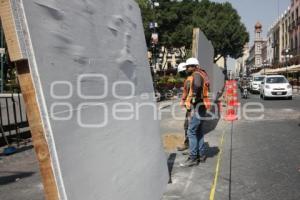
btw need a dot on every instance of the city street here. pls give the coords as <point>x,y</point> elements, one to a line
<point>265,158</point>
<point>265,154</point>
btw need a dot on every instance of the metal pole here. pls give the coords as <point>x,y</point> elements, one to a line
<point>2,57</point>
<point>230,162</point>
<point>154,32</point>
<point>286,66</point>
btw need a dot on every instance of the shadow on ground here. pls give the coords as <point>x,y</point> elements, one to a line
<point>210,153</point>
<point>171,161</point>
<point>4,180</point>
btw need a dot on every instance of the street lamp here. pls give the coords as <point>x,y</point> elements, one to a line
<point>287,56</point>
<point>265,64</point>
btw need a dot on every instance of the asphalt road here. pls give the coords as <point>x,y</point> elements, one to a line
<point>265,162</point>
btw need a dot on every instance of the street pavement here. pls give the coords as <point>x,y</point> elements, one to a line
<point>265,154</point>
<point>19,176</point>
<point>265,162</point>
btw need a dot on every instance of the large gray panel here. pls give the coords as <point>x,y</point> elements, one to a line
<point>206,60</point>
<point>78,51</point>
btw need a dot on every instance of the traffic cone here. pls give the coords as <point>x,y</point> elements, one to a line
<point>235,94</point>
<point>229,92</point>
<point>231,115</point>
<point>235,100</point>
<point>231,103</point>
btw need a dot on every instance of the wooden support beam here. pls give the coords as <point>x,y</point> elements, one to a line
<point>37,130</point>
<point>29,95</point>
<point>195,48</point>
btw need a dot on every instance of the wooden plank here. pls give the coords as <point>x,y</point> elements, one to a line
<point>195,48</point>
<point>37,131</point>
<point>10,32</point>
<point>26,84</point>
<point>32,109</point>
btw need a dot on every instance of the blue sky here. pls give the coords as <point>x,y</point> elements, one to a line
<point>251,11</point>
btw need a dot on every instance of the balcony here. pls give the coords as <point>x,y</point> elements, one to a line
<point>298,21</point>
<point>294,51</point>
<point>293,24</point>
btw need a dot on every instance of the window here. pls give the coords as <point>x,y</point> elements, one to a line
<point>257,35</point>
<point>276,80</point>
<point>259,78</point>
<point>258,61</point>
<point>258,48</point>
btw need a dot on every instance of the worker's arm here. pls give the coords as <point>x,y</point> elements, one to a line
<point>184,93</point>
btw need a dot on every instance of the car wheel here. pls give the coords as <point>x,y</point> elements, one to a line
<point>290,98</point>
<point>264,97</point>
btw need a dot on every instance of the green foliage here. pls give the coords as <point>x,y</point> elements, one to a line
<point>170,80</point>
<point>176,19</point>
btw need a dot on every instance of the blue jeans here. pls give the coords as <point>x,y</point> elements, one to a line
<point>195,135</point>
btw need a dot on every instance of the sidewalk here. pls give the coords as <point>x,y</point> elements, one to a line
<point>20,177</point>
<point>195,182</point>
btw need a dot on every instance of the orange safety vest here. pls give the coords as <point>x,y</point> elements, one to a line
<point>205,90</point>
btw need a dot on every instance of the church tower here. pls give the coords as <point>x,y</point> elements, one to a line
<point>258,43</point>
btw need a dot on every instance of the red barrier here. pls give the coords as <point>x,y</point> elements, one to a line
<point>232,100</point>
<point>231,115</point>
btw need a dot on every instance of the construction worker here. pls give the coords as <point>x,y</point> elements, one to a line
<point>186,85</point>
<point>198,102</point>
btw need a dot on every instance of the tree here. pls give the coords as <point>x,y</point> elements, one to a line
<point>220,22</point>
<point>222,25</point>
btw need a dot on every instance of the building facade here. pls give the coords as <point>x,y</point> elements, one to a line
<point>240,68</point>
<point>284,36</point>
<point>294,27</point>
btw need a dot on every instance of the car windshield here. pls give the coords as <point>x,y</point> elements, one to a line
<point>261,78</point>
<point>276,80</point>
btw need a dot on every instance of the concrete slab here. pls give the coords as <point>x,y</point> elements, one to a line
<point>86,58</point>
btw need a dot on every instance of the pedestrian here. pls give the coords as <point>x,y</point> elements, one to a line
<point>198,102</point>
<point>186,86</point>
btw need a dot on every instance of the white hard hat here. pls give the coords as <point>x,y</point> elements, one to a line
<point>181,67</point>
<point>192,61</point>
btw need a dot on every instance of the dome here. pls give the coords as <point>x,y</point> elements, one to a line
<point>258,25</point>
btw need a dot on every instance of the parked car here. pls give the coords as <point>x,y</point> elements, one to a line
<point>275,86</point>
<point>255,83</point>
